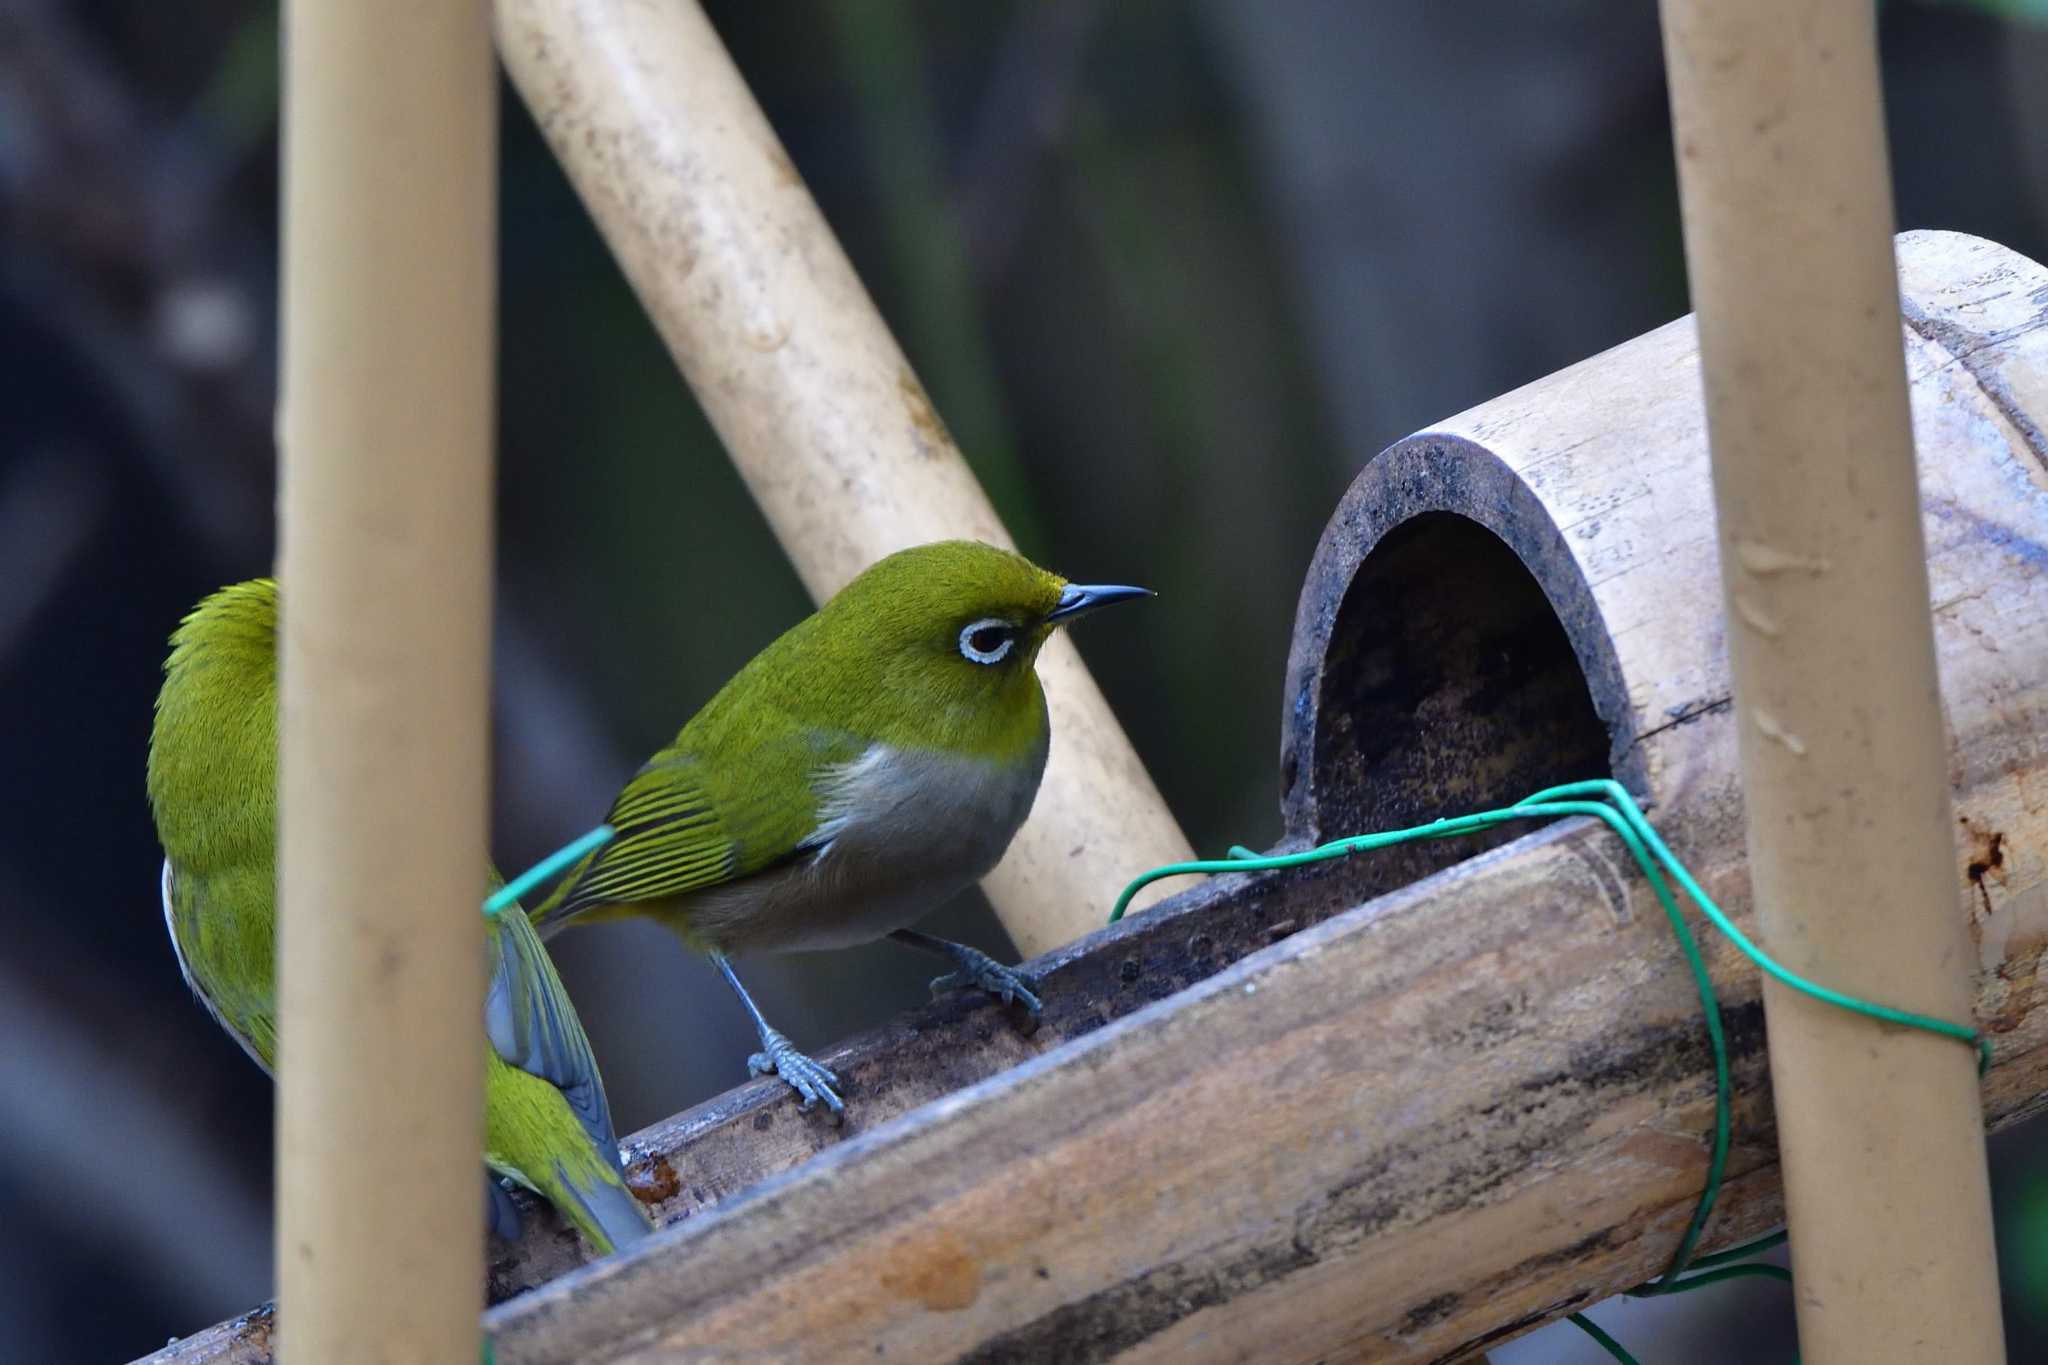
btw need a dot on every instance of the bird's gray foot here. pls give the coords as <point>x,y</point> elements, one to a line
<point>979,971</point>
<point>811,1080</point>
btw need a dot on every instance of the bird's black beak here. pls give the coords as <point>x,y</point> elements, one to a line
<point>1081,598</point>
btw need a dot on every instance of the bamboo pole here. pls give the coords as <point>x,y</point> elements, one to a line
<point>1788,218</point>
<point>812,396</point>
<point>385,543</point>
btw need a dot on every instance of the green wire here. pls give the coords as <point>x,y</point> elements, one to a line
<point>1928,1023</point>
<point>1626,819</point>
<point>1741,1253</point>
<point>1612,1347</point>
<point>1242,860</point>
<point>511,891</point>
<point>1727,1272</point>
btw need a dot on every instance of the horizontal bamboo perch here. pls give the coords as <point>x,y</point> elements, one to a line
<point>1324,1112</point>
<point>1425,1131</point>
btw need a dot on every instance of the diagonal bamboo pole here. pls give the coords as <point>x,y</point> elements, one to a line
<point>1788,219</point>
<point>810,393</point>
<point>385,541</point>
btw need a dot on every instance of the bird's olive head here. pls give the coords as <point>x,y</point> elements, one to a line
<point>956,624</point>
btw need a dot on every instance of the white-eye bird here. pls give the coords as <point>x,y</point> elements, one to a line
<point>874,760</point>
<point>213,793</point>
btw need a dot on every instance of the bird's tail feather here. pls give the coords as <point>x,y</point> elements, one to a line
<point>603,1210</point>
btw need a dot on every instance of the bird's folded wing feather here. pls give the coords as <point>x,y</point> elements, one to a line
<point>532,1025</point>
<point>668,838</point>
<point>684,823</point>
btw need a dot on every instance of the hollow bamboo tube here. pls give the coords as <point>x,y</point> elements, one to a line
<point>385,544</point>
<point>809,391</point>
<point>1788,217</point>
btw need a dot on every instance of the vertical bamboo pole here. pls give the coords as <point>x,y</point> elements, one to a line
<point>809,391</point>
<point>1788,221</point>
<point>385,542</point>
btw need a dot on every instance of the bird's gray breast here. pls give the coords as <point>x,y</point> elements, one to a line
<point>899,831</point>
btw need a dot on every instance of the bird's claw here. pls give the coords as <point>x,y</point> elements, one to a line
<point>979,971</point>
<point>811,1080</point>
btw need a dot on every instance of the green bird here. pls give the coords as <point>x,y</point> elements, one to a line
<point>871,762</point>
<point>213,793</point>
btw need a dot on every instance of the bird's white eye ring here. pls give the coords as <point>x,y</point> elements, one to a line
<point>987,641</point>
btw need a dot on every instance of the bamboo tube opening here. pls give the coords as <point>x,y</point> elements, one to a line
<point>1449,656</point>
<point>1449,686</point>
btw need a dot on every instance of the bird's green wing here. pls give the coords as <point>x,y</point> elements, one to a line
<point>668,838</point>
<point>221,934</point>
<point>532,1025</point>
<point>692,819</point>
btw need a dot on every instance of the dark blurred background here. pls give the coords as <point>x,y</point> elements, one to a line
<point>1173,273</point>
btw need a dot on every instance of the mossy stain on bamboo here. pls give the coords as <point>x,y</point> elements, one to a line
<point>1987,861</point>
<point>1507,1331</point>
<point>928,430</point>
<point>653,1181</point>
<point>1430,1312</point>
<point>1112,1320</point>
<point>937,1271</point>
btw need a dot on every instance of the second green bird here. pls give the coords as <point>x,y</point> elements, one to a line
<point>213,793</point>
<point>870,763</point>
